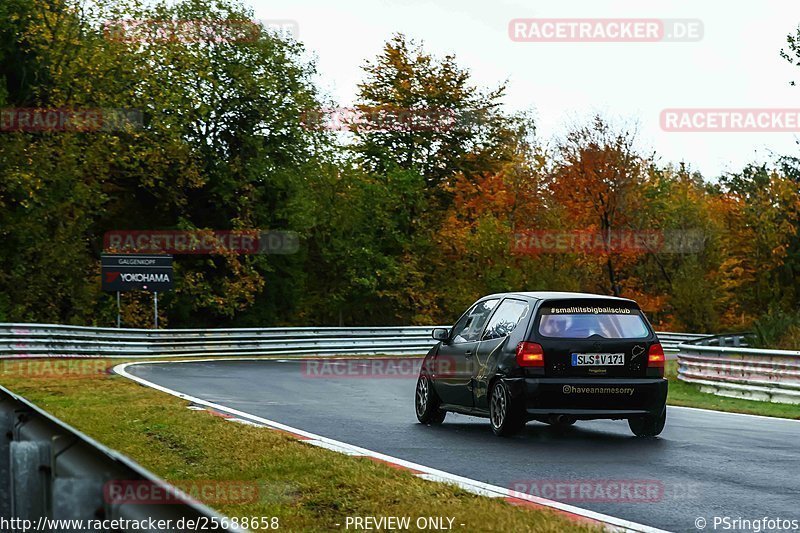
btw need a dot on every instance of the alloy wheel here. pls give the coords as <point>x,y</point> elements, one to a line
<point>498,414</point>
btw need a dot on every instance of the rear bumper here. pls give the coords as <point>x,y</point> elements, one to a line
<point>590,398</point>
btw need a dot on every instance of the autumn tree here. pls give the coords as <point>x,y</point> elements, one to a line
<point>597,182</point>
<point>423,113</point>
<point>424,127</point>
<point>679,282</point>
<point>760,225</point>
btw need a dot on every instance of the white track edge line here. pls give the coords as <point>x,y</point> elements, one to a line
<point>715,412</point>
<point>627,525</point>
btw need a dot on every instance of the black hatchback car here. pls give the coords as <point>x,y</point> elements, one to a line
<point>555,357</point>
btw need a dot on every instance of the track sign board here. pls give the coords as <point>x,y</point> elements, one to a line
<point>136,272</point>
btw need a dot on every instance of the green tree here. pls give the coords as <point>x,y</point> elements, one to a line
<point>223,147</point>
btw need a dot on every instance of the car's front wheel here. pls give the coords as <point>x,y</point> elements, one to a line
<point>648,425</point>
<point>505,413</point>
<point>426,402</point>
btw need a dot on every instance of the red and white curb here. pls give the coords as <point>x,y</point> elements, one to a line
<point>610,523</point>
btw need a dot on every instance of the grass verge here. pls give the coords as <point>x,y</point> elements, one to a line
<point>307,488</point>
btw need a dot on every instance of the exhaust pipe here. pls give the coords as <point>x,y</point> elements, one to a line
<point>561,420</point>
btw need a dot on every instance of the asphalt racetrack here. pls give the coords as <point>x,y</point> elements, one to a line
<point>704,464</point>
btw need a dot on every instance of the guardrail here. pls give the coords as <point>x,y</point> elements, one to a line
<point>725,366</point>
<point>671,341</point>
<point>50,471</point>
<point>48,340</point>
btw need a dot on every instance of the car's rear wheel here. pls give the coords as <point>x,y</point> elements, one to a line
<point>648,425</point>
<point>505,413</point>
<point>426,402</point>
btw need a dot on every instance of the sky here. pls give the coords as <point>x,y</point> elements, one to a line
<point>736,64</point>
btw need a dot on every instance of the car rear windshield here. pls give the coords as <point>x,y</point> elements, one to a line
<point>581,322</point>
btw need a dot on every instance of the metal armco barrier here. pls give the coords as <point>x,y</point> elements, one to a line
<point>723,365</point>
<point>51,472</point>
<point>48,340</point>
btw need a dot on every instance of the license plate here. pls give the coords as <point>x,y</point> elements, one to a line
<point>598,359</point>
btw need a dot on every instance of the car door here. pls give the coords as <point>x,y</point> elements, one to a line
<point>455,360</point>
<point>510,315</point>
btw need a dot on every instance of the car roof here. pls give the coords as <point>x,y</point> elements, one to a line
<point>556,295</point>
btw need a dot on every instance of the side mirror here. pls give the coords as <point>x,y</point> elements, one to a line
<point>440,334</point>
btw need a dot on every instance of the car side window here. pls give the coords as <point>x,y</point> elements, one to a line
<point>508,315</point>
<point>469,328</point>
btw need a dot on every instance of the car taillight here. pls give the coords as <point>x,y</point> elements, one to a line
<point>530,354</point>
<point>655,357</point>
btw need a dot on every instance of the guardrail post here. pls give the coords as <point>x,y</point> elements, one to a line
<point>6,425</point>
<point>30,471</point>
